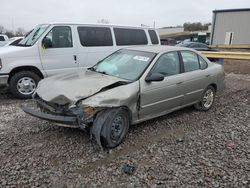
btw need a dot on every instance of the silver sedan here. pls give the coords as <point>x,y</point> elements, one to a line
<point>129,86</point>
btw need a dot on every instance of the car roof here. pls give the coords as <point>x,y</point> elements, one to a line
<point>158,48</point>
<point>99,25</point>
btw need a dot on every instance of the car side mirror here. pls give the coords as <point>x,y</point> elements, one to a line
<point>154,77</point>
<point>46,43</point>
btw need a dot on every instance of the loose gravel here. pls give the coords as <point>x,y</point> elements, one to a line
<point>186,148</point>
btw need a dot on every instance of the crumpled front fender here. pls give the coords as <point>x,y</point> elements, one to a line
<point>126,95</point>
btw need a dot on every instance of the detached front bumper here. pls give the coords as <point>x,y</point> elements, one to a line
<point>71,121</point>
<point>4,79</point>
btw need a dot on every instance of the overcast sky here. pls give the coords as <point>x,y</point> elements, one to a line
<point>29,13</point>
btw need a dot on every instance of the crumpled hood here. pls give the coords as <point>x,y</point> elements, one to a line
<point>70,87</point>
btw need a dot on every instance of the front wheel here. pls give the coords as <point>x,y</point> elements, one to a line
<point>23,84</point>
<point>115,124</point>
<point>207,99</point>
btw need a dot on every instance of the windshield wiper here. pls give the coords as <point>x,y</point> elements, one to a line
<point>91,68</point>
<point>102,72</point>
<point>94,69</point>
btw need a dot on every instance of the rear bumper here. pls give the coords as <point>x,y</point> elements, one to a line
<point>4,79</point>
<point>66,120</point>
<point>220,87</point>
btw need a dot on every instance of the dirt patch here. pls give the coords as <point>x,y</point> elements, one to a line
<point>237,66</point>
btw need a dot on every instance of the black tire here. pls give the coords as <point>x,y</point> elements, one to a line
<point>202,104</point>
<point>115,126</point>
<point>14,81</point>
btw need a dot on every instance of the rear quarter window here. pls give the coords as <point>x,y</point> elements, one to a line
<point>153,37</point>
<point>203,63</point>
<point>126,37</point>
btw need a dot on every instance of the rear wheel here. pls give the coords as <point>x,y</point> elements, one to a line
<point>114,128</point>
<point>207,99</point>
<point>23,84</point>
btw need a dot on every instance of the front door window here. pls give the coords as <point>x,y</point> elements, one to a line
<point>60,37</point>
<point>168,64</point>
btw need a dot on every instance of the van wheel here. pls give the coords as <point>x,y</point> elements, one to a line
<point>23,84</point>
<point>207,99</point>
<point>115,124</point>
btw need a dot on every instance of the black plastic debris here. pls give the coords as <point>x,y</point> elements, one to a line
<point>179,140</point>
<point>129,169</point>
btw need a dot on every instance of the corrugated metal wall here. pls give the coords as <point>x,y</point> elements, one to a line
<point>236,22</point>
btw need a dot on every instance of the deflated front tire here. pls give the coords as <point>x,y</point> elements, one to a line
<point>110,127</point>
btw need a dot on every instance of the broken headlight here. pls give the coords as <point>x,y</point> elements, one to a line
<point>89,112</point>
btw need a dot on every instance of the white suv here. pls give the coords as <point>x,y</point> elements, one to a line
<point>55,48</point>
<point>3,39</point>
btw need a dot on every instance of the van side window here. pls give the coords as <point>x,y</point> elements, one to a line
<point>60,37</point>
<point>95,36</point>
<point>153,36</point>
<point>125,37</point>
<point>168,64</point>
<point>190,61</point>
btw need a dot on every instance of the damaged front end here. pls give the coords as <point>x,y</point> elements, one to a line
<point>63,115</point>
<point>69,105</point>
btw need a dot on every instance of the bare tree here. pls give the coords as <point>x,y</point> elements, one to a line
<point>103,21</point>
<point>9,33</point>
<point>1,29</point>
<point>20,32</point>
<point>196,26</point>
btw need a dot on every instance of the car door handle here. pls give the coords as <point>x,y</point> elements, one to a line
<point>208,75</point>
<point>178,83</point>
<point>74,56</point>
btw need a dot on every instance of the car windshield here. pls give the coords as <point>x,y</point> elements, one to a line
<point>33,36</point>
<point>125,64</point>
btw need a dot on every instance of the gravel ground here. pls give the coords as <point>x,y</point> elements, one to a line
<point>187,148</point>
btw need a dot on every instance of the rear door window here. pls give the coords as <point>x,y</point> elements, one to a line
<point>153,37</point>
<point>190,61</point>
<point>125,37</point>
<point>95,36</point>
<point>2,38</point>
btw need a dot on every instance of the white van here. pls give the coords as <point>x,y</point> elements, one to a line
<point>55,48</point>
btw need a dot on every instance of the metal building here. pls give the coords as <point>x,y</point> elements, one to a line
<point>231,26</point>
